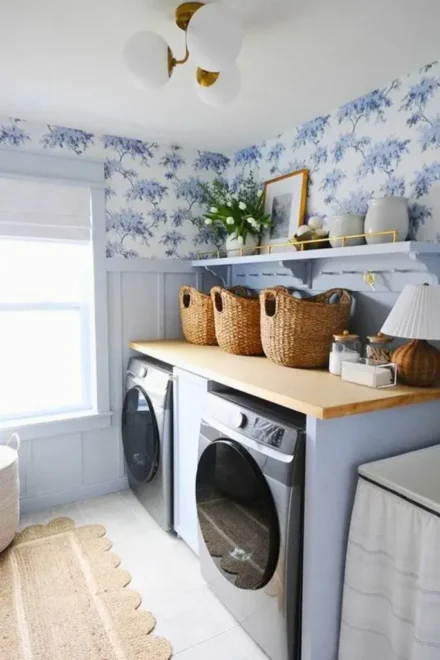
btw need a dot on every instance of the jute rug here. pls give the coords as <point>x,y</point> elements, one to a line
<point>62,597</point>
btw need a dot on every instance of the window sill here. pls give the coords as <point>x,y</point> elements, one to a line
<point>45,427</point>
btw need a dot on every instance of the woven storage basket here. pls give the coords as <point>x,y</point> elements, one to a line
<point>197,316</point>
<point>237,320</point>
<point>9,492</point>
<point>299,332</point>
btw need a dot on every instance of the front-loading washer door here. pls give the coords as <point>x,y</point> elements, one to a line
<point>237,515</point>
<point>140,435</point>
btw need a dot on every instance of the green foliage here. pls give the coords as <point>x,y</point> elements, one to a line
<point>239,209</point>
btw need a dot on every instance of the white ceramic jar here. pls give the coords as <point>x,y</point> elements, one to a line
<point>234,245</point>
<point>346,224</point>
<point>386,214</point>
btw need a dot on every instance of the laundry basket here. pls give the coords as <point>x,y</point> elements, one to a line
<point>237,320</point>
<point>298,332</point>
<point>197,315</point>
<point>9,491</point>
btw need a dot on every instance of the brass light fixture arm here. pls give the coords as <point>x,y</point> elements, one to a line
<point>184,14</point>
<point>184,59</point>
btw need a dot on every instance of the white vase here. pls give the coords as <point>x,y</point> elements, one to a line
<point>346,224</point>
<point>386,214</point>
<point>234,245</point>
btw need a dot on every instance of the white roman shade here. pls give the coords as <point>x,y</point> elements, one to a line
<point>38,209</point>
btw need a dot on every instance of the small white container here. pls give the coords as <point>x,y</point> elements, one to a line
<point>370,375</point>
<point>9,492</point>
<point>387,214</point>
<point>346,224</point>
<point>234,245</point>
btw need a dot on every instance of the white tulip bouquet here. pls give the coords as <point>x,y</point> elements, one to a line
<point>239,210</point>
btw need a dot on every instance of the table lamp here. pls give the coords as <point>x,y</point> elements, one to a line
<point>416,316</point>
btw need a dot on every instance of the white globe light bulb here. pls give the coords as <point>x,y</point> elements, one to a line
<point>148,57</point>
<point>214,37</point>
<point>225,88</point>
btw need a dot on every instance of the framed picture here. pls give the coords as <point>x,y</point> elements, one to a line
<point>285,201</point>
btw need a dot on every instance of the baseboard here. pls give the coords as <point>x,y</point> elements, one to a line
<point>31,504</point>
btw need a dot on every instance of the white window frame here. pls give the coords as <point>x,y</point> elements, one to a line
<point>89,173</point>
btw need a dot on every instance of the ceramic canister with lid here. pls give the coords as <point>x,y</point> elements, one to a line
<point>345,347</point>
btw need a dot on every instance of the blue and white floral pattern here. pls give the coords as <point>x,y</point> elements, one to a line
<point>153,192</point>
<point>386,142</point>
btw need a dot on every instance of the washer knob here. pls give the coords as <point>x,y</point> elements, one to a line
<point>239,420</point>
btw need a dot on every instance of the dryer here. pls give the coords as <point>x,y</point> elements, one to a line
<point>147,436</point>
<point>249,493</point>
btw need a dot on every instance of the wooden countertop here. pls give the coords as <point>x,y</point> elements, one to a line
<point>312,392</point>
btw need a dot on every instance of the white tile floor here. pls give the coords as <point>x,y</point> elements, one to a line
<point>166,573</point>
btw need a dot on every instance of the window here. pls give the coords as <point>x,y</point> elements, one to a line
<point>48,341</point>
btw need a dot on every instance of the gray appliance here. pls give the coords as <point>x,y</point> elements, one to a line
<point>147,436</point>
<point>249,492</point>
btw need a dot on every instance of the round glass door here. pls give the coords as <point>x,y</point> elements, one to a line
<point>140,435</point>
<point>237,515</point>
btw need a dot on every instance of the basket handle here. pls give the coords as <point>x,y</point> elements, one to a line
<point>14,438</point>
<point>341,293</point>
<point>269,300</point>
<point>217,298</point>
<point>186,296</point>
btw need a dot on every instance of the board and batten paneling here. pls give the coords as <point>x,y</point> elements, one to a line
<point>142,304</point>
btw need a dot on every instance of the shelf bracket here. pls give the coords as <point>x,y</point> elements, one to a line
<point>431,262</point>
<point>301,270</point>
<point>219,271</point>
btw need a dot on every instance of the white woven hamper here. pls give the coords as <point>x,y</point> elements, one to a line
<point>9,491</point>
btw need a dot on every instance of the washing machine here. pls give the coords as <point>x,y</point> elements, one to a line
<point>147,436</point>
<point>249,493</point>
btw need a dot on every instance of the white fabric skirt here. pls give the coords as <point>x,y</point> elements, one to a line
<point>391,605</point>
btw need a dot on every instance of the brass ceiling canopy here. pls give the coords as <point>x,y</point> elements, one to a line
<point>185,12</point>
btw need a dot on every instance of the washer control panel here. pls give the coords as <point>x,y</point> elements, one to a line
<point>259,425</point>
<point>267,432</point>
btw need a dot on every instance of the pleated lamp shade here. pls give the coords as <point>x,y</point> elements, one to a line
<point>416,314</point>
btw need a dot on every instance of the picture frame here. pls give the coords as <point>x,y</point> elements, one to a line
<point>285,199</point>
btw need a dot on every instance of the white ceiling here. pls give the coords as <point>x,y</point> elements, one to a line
<point>61,63</point>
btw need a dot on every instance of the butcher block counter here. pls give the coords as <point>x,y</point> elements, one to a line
<point>315,393</point>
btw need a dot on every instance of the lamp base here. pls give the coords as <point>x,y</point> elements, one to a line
<point>418,363</point>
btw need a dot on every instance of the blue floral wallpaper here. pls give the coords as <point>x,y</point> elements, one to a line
<point>384,143</point>
<point>153,191</point>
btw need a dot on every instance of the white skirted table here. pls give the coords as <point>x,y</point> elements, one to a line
<point>391,604</point>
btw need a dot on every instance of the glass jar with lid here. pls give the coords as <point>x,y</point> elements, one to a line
<point>379,348</point>
<point>345,347</point>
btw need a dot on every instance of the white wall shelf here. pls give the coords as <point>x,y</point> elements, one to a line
<point>392,264</point>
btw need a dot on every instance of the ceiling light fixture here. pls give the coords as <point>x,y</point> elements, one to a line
<point>213,38</point>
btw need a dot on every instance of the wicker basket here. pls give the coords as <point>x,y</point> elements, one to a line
<point>9,492</point>
<point>237,320</point>
<point>197,316</point>
<point>298,332</point>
